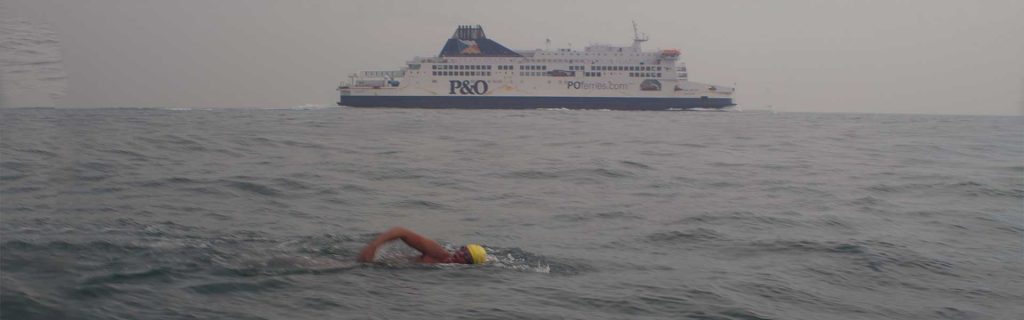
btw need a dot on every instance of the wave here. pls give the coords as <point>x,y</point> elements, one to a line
<point>967,188</point>
<point>676,237</point>
<point>251,187</point>
<point>227,287</point>
<point>743,218</point>
<point>569,173</point>
<point>599,216</point>
<point>19,302</point>
<point>879,256</point>
<point>32,68</point>
<point>418,204</point>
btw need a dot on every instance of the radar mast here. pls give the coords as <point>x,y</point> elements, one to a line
<point>638,37</point>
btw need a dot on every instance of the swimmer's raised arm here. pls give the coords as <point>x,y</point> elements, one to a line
<point>426,246</point>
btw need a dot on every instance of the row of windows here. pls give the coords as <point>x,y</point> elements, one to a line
<point>626,68</point>
<point>645,74</point>
<point>532,74</point>
<point>382,73</point>
<point>540,74</point>
<point>541,67</point>
<point>462,73</point>
<point>461,67</point>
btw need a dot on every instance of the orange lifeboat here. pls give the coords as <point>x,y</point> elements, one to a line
<point>670,53</point>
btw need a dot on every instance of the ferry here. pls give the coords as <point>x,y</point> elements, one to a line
<point>475,72</point>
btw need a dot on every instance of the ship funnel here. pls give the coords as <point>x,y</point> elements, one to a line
<point>470,41</point>
<point>469,33</point>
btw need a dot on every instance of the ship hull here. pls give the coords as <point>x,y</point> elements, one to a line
<point>507,102</point>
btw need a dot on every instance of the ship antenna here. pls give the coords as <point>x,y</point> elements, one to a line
<point>637,37</point>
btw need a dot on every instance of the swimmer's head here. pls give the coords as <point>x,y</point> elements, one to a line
<point>473,253</point>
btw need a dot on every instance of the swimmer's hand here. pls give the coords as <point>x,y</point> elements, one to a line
<point>368,253</point>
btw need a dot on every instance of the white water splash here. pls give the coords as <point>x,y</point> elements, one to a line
<point>508,261</point>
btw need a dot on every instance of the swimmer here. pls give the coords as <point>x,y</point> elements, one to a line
<point>432,252</point>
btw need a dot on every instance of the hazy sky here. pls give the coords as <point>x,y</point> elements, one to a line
<point>961,57</point>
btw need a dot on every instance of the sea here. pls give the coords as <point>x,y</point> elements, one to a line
<point>194,213</point>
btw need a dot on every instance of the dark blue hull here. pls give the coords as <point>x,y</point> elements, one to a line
<point>504,102</point>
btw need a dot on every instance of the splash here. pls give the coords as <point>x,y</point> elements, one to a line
<point>511,262</point>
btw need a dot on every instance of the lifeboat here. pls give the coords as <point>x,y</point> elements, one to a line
<point>670,53</point>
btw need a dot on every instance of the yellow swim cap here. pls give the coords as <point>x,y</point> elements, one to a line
<point>477,253</point>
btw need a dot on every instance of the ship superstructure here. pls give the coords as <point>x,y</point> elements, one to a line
<point>474,72</point>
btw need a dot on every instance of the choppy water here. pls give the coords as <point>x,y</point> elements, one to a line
<point>258,214</point>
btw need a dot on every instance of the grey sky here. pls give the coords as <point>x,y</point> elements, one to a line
<point>962,57</point>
